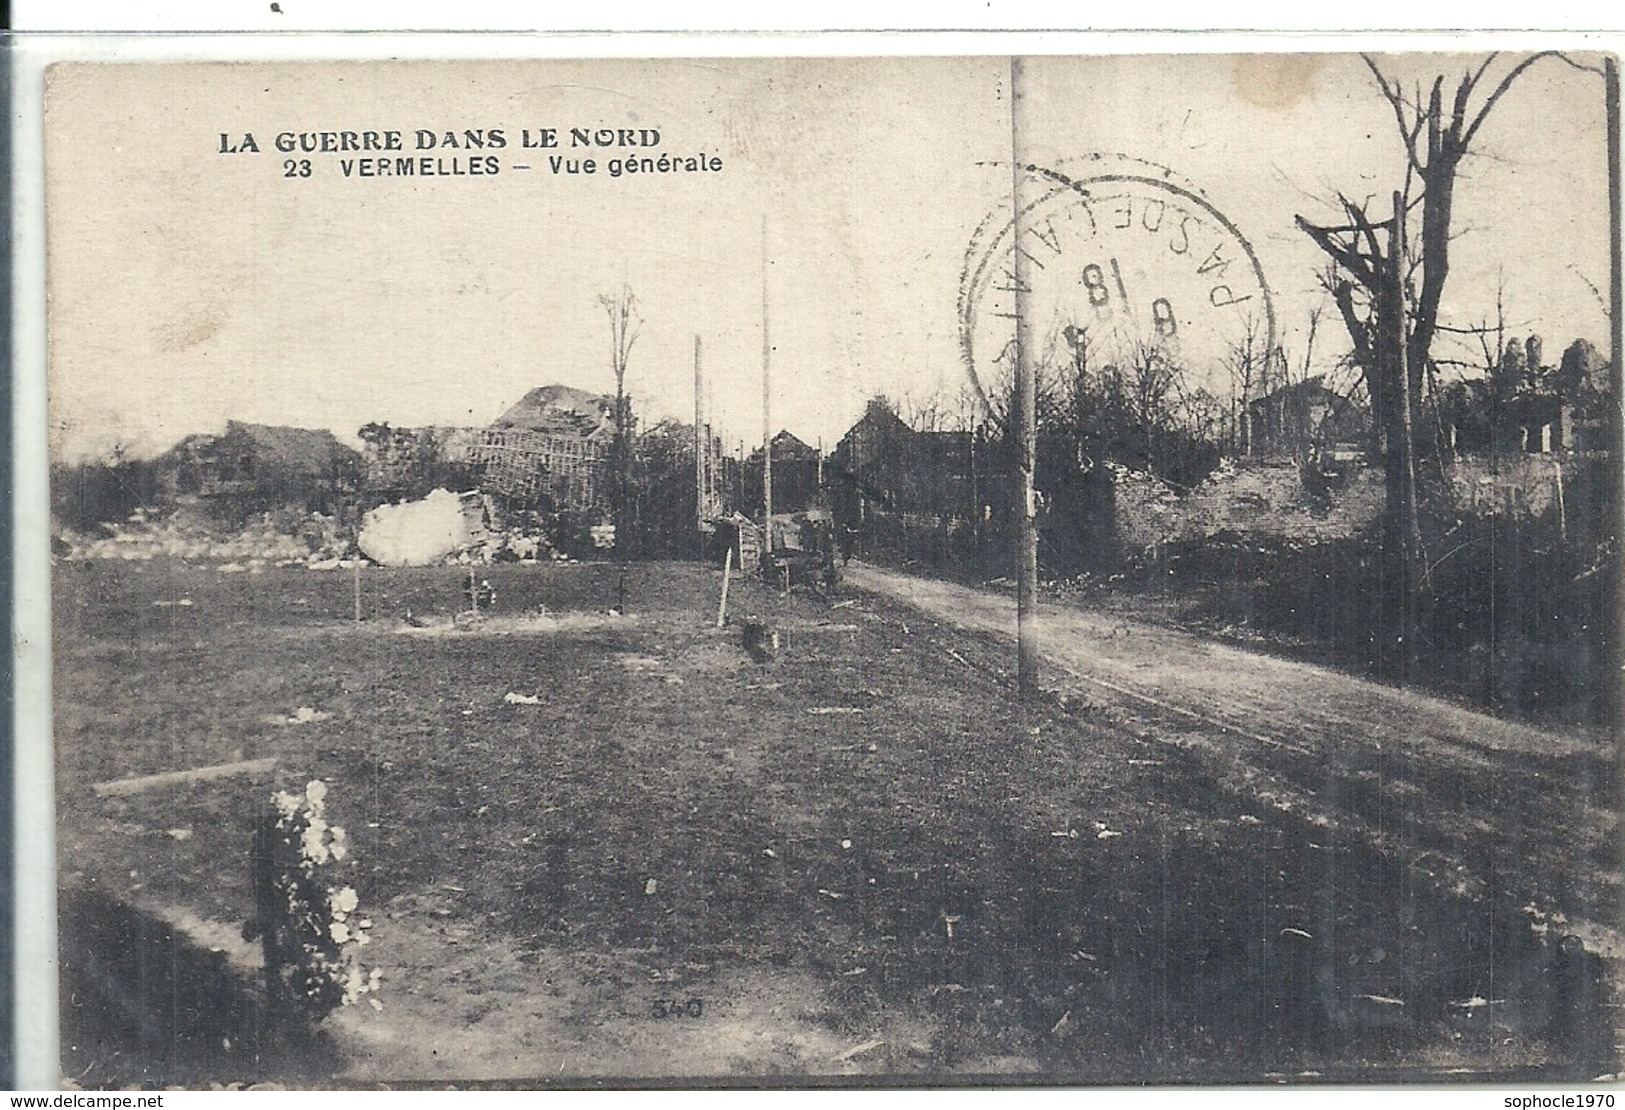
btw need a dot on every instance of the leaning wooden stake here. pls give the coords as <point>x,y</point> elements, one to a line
<point>727,570</point>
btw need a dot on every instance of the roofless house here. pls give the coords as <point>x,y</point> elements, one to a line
<point>252,467</point>
<point>551,449</point>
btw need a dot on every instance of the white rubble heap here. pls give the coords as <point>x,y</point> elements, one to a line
<point>313,540</point>
<point>278,538</point>
<point>418,533</point>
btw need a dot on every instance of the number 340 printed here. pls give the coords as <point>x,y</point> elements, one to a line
<point>677,1007</point>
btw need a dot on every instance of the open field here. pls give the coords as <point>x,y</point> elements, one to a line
<point>855,859</point>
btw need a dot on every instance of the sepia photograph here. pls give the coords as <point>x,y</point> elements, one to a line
<point>864,571</point>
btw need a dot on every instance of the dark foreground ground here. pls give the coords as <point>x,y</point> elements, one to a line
<point>853,859</point>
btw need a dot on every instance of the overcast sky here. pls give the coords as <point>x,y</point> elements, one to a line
<point>187,286</point>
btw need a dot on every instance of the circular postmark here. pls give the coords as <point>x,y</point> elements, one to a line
<point>1124,265</point>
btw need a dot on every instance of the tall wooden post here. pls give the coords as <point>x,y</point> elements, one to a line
<point>1410,532</point>
<point>767,411</point>
<point>1027,406</point>
<point>699,461</point>
<point>1612,503</point>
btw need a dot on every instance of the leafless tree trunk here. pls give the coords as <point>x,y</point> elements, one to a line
<point>1245,386</point>
<point>624,323</point>
<point>1389,294</point>
<point>1078,340</point>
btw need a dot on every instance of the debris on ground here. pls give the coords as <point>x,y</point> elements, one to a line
<point>141,783</point>
<point>276,537</point>
<point>858,1050</point>
<point>761,643</point>
<point>424,532</point>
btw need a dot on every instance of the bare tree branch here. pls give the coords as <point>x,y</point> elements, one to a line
<point>1500,89</point>
<point>1396,101</point>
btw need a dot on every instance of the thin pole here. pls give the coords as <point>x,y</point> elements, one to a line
<point>699,459</point>
<point>1410,541</point>
<point>357,562</point>
<point>1616,328</point>
<point>1615,308</point>
<point>727,570</point>
<point>1027,405</point>
<point>767,410</point>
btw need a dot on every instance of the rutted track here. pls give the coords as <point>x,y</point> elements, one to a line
<point>1500,804</point>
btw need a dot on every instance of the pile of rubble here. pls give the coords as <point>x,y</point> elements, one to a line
<point>1146,507</point>
<point>269,539</point>
<point>313,540</point>
<point>506,547</point>
<point>1260,498</point>
<point>463,529</point>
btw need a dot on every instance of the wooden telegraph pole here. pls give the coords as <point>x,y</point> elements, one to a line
<point>1027,410</point>
<point>1616,332</point>
<point>767,411</point>
<point>699,462</point>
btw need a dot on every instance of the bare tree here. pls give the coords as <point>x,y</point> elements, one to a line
<point>924,413</point>
<point>1150,383</point>
<point>1077,340</point>
<point>1246,363</point>
<point>1388,282</point>
<point>965,411</point>
<point>1204,416</point>
<point>1050,384</point>
<point>624,324</point>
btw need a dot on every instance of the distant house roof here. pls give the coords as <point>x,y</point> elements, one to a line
<point>786,448</point>
<point>260,460</point>
<point>309,451</point>
<point>287,451</point>
<point>879,416</point>
<point>879,433</point>
<point>560,410</point>
<point>1306,391</point>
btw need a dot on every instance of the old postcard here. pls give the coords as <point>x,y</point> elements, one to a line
<point>1055,569</point>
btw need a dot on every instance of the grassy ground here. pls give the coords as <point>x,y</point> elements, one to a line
<point>856,858</point>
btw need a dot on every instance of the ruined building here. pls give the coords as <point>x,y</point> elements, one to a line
<point>551,449</point>
<point>256,466</point>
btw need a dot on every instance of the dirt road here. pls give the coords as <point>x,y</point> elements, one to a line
<point>1462,796</point>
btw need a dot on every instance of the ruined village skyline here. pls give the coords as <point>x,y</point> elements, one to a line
<point>440,301</point>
